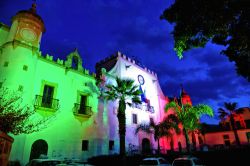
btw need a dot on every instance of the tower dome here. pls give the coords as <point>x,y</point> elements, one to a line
<point>30,15</point>
<point>27,28</point>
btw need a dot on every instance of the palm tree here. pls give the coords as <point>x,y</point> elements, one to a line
<point>232,113</point>
<point>126,93</point>
<point>188,116</point>
<point>164,128</point>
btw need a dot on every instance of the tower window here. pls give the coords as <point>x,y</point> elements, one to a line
<point>111,144</point>
<point>6,64</point>
<point>1,84</point>
<point>74,62</point>
<point>134,118</point>
<point>25,67</point>
<point>85,145</point>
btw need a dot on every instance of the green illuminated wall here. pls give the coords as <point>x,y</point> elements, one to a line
<point>27,68</point>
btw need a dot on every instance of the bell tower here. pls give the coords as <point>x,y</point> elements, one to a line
<point>185,98</point>
<point>20,51</point>
<point>27,28</point>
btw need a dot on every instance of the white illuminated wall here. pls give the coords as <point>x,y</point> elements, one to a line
<point>126,68</point>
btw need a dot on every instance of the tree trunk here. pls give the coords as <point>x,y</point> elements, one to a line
<point>194,141</point>
<point>235,130</point>
<point>158,148</point>
<point>122,126</point>
<point>187,140</point>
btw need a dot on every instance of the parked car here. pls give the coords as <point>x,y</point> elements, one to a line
<point>76,162</point>
<point>187,161</point>
<point>155,161</point>
<point>45,162</point>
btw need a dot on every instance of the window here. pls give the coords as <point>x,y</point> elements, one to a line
<point>6,64</point>
<point>74,62</point>
<point>238,125</point>
<point>47,98</point>
<point>226,136</point>
<point>25,67</point>
<point>85,145</point>
<point>111,144</point>
<point>248,137</point>
<point>226,140</point>
<point>247,124</point>
<point>20,88</point>
<point>134,118</point>
<point>1,84</point>
<point>83,104</point>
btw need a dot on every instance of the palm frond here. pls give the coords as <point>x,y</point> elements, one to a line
<point>171,105</point>
<point>203,109</point>
<point>230,106</point>
<point>222,113</point>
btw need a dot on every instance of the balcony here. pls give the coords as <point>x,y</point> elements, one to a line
<point>82,110</point>
<point>46,102</point>
<point>144,107</point>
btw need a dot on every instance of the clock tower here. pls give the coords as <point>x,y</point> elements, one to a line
<point>27,28</point>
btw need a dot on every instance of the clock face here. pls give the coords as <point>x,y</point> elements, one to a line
<point>141,79</point>
<point>28,34</point>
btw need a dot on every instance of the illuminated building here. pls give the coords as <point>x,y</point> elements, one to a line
<point>151,108</point>
<point>61,88</point>
<point>84,125</point>
<point>222,135</point>
<point>82,128</point>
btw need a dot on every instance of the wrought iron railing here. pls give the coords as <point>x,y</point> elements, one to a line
<point>46,102</point>
<point>82,109</point>
<point>144,107</point>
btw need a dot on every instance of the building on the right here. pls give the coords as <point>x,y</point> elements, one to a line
<point>223,136</point>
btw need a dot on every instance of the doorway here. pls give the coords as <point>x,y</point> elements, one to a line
<point>38,148</point>
<point>146,148</point>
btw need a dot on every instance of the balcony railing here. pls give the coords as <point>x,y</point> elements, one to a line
<point>46,102</point>
<point>82,110</point>
<point>144,107</point>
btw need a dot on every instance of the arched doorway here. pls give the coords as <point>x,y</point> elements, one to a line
<point>38,147</point>
<point>146,148</point>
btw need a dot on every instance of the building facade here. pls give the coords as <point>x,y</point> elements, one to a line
<point>83,125</point>
<point>151,108</point>
<point>222,135</point>
<point>63,89</point>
